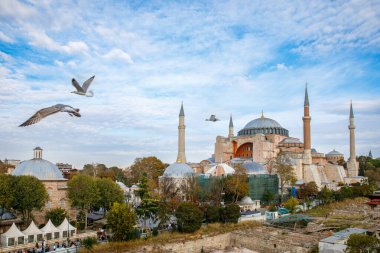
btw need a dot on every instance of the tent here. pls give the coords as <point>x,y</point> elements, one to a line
<point>50,231</point>
<point>32,233</point>
<point>12,237</point>
<point>64,227</point>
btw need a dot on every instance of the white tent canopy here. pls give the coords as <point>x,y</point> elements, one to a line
<point>12,237</point>
<point>65,226</point>
<point>50,231</point>
<point>33,233</point>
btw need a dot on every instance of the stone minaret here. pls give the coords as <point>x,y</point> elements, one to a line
<point>231,128</point>
<point>37,153</point>
<point>370,154</point>
<point>306,130</point>
<point>352,166</point>
<point>181,158</point>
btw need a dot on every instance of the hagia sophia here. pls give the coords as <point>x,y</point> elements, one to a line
<point>263,139</point>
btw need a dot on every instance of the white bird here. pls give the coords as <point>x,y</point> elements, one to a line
<point>82,90</point>
<point>212,118</point>
<point>49,111</point>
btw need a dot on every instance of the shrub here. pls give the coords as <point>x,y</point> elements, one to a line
<point>230,213</point>
<point>212,214</point>
<point>189,217</point>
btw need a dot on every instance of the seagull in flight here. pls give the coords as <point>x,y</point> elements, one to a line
<point>82,90</point>
<point>212,118</point>
<point>49,111</point>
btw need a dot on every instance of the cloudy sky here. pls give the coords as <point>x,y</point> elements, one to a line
<point>218,57</point>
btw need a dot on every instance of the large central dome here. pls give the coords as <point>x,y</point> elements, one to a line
<point>263,125</point>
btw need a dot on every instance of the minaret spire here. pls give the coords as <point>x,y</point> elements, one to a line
<point>306,130</point>
<point>306,103</point>
<point>181,158</point>
<point>262,114</point>
<point>231,128</point>
<point>352,166</point>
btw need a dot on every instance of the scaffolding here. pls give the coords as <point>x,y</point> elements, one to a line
<point>261,184</point>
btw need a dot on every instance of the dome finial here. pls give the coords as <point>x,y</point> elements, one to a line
<point>262,114</point>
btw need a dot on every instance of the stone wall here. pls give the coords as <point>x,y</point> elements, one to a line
<point>207,244</point>
<point>261,239</point>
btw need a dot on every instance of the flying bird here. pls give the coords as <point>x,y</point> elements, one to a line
<point>212,118</point>
<point>49,111</point>
<point>82,90</point>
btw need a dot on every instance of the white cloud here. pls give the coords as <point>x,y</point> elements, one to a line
<point>5,38</point>
<point>281,66</point>
<point>72,64</point>
<point>75,47</point>
<point>118,54</point>
<point>5,56</point>
<point>59,63</point>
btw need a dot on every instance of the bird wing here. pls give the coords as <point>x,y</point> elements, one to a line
<point>87,83</point>
<point>77,85</point>
<point>40,115</point>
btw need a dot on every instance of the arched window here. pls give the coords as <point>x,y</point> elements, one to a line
<point>62,203</point>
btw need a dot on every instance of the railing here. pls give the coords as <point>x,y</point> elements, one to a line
<point>15,248</point>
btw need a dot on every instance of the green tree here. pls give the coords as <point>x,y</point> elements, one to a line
<point>30,195</point>
<point>189,217</point>
<point>325,195</point>
<point>292,204</point>
<point>285,173</point>
<point>83,193</point>
<point>230,213</point>
<point>7,191</point>
<point>149,206</point>
<point>212,213</point>
<point>236,185</point>
<point>109,192</point>
<point>121,219</point>
<point>56,215</point>
<point>268,197</point>
<point>308,190</point>
<point>151,166</point>
<point>358,243</point>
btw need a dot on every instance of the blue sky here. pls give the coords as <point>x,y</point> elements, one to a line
<point>218,57</point>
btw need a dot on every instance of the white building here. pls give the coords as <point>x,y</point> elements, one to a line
<point>337,242</point>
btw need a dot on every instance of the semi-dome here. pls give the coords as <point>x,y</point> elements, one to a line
<point>40,168</point>
<point>178,170</point>
<point>263,125</point>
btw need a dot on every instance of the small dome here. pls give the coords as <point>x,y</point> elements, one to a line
<point>178,170</point>
<point>246,201</point>
<point>40,168</point>
<point>254,168</point>
<point>334,153</point>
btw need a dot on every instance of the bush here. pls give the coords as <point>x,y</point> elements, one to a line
<point>212,214</point>
<point>230,213</point>
<point>89,243</point>
<point>362,243</point>
<point>189,217</point>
